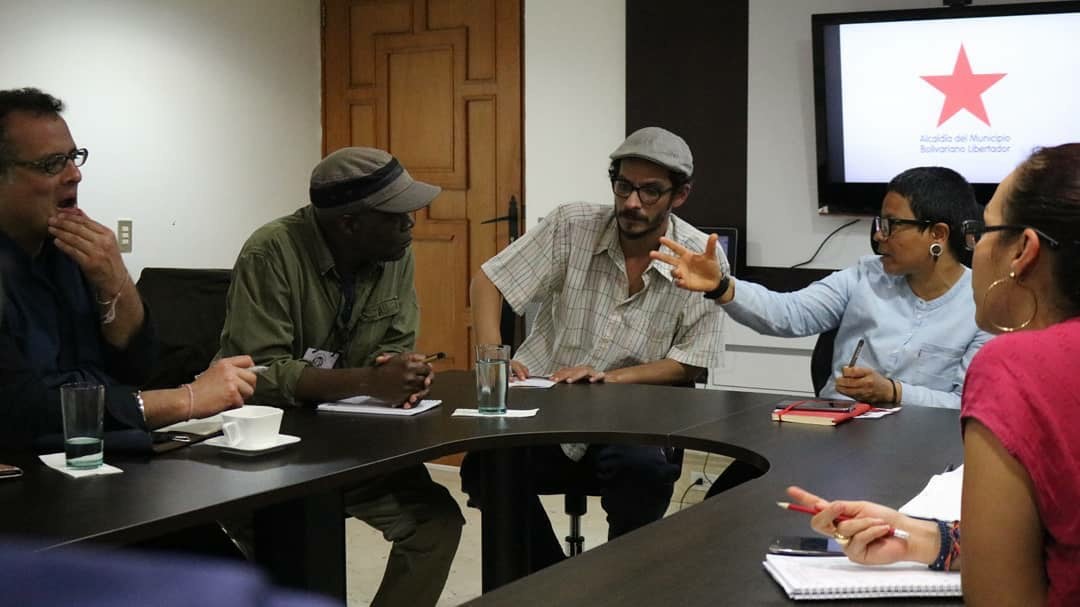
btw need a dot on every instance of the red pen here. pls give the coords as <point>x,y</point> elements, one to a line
<point>893,532</point>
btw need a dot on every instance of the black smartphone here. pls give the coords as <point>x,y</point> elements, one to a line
<point>9,471</point>
<point>832,406</point>
<point>806,546</point>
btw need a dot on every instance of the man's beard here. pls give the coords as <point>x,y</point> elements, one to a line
<point>648,229</point>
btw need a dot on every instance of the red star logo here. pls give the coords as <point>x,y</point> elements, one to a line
<point>963,90</point>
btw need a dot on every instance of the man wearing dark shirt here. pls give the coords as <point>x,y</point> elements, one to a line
<point>71,311</point>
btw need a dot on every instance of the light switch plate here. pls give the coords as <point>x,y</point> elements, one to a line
<point>123,235</point>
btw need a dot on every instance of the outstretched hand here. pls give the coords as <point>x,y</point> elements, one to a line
<point>692,271</point>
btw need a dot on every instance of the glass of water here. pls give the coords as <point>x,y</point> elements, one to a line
<point>492,377</point>
<point>83,407</point>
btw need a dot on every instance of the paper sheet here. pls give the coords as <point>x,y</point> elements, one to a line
<point>374,406</point>
<point>532,382</point>
<point>509,413</point>
<point>940,498</point>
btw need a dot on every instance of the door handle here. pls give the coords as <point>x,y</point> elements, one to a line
<point>512,217</point>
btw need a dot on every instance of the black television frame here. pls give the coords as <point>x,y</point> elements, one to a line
<point>850,198</point>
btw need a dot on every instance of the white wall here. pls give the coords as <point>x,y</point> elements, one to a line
<point>575,100</point>
<point>202,117</point>
<point>782,221</point>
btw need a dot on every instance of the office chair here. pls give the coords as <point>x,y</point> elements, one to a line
<point>188,309</point>
<point>821,360</point>
<point>576,492</point>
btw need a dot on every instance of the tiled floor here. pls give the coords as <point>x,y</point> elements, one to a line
<point>367,551</point>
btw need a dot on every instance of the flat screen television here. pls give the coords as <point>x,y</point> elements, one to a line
<point>972,88</point>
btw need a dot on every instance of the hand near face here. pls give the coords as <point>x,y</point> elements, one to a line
<point>865,385</point>
<point>692,271</point>
<point>402,378</point>
<point>92,246</point>
<point>571,375</point>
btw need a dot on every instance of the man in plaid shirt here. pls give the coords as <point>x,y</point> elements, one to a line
<point>608,313</point>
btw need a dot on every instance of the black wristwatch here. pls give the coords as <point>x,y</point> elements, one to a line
<point>720,289</point>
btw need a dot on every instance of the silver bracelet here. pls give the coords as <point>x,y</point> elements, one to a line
<point>142,405</point>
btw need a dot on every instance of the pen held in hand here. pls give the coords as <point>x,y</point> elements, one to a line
<point>893,532</point>
<point>855,355</point>
<point>258,368</point>
<point>434,357</point>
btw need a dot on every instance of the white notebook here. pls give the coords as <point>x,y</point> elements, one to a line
<point>827,577</point>
<point>374,406</point>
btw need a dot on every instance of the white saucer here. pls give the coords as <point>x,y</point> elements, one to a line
<point>283,440</point>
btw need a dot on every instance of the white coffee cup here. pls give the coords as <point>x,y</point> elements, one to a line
<point>251,426</point>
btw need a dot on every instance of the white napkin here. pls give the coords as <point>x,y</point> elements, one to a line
<point>508,413</point>
<point>58,461</point>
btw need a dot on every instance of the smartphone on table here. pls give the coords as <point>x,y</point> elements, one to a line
<point>831,406</point>
<point>805,546</point>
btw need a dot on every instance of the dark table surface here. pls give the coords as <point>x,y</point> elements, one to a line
<point>713,547</point>
<point>711,553</point>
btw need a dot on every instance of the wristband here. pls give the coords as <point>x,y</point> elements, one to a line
<point>720,289</point>
<point>191,400</point>
<point>141,404</point>
<point>110,311</point>
<point>895,398</point>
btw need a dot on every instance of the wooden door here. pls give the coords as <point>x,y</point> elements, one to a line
<point>437,83</point>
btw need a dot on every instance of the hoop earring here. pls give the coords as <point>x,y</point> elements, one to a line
<point>935,250</point>
<point>1034,303</point>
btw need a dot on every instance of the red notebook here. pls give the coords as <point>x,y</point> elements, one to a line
<point>818,412</point>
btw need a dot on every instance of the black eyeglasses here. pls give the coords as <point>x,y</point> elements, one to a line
<point>648,194</point>
<point>973,230</point>
<point>52,165</point>
<point>885,225</point>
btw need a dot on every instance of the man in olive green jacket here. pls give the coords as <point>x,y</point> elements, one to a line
<point>325,299</point>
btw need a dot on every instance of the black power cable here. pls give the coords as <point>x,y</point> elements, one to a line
<point>831,234</point>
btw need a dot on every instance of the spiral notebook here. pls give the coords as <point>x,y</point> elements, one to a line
<point>826,577</point>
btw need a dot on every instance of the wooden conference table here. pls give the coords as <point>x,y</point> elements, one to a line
<point>296,494</point>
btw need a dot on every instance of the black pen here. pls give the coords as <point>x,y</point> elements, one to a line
<point>855,356</point>
<point>434,357</point>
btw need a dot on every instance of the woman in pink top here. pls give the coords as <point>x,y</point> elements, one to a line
<point>1020,410</point>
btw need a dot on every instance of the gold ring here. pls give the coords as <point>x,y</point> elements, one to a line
<point>841,539</point>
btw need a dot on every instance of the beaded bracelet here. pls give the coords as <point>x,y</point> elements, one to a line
<point>950,545</point>
<point>944,548</point>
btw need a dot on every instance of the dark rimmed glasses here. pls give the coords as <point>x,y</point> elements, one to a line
<point>973,230</point>
<point>53,164</point>
<point>648,194</point>
<point>885,225</point>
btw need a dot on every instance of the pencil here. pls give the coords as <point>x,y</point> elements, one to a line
<point>893,532</point>
<point>433,357</point>
<point>855,356</point>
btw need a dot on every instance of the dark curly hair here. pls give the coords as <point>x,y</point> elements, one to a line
<point>29,100</point>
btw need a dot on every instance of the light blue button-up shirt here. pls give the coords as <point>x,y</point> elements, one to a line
<point>924,345</point>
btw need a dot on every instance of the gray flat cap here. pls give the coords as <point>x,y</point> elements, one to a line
<point>367,178</point>
<point>657,145</point>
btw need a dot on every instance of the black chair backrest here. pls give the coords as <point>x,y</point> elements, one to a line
<point>188,310</point>
<point>821,365</point>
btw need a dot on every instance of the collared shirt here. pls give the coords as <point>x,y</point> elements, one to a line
<point>572,265</point>
<point>51,335</point>
<point>286,296</point>
<point>925,345</point>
